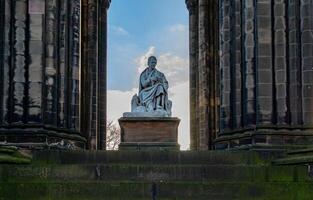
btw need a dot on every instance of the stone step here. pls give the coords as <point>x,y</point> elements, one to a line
<point>13,156</point>
<point>146,157</point>
<point>165,190</point>
<point>294,160</point>
<point>127,172</point>
<point>304,151</point>
<point>296,157</point>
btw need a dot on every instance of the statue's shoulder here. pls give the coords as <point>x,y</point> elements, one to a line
<point>159,72</point>
<point>143,72</point>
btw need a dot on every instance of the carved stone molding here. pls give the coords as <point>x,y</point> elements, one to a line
<point>191,6</point>
<point>107,3</point>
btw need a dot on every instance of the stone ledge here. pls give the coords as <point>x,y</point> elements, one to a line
<point>146,114</point>
<point>274,139</point>
<point>149,146</point>
<point>148,119</point>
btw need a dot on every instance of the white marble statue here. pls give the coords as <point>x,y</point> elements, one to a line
<point>152,99</point>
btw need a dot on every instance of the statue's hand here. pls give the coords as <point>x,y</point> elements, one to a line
<point>154,79</point>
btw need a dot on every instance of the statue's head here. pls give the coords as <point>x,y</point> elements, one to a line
<point>152,61</point>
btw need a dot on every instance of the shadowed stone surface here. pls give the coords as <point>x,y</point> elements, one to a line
<point>40,72</point>
<point>204,72</point>
<point>216,175</point>
<point>259,92</point>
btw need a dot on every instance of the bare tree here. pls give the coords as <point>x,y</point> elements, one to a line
<point>113,136</point>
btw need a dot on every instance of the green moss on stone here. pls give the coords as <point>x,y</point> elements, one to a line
<point>13,156</point>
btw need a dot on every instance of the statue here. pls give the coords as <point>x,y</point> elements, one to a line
<point>149,125</point>
<point>152,99</point>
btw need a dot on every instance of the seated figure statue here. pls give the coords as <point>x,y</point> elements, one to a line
<point>152,99</point>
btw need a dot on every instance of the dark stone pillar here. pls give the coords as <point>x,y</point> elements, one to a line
<point>94,51</point>
<point>275,69</point>
<point>237,62</point>
<point>281,65</point>
<point>204,73</point>
<point>248,64</point>
<point>225,61</point>
<point>264,54</point>
<point>294,59</point>
<point>102,72</point>
<point>306,21</point>
<point>39,62</point>
<point>192,6</point>
<point>214,73</point>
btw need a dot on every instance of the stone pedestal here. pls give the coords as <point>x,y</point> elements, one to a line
<point>149,133</point>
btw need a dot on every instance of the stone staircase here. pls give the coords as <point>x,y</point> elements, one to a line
<point>11,155</point>
<point>296,157</point>
<point>129,175</point>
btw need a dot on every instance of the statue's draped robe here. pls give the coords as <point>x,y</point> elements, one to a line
<point>148,93</point>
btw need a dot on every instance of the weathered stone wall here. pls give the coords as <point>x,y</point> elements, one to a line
<point>266,64</point>
<point>255,59</point>
<point>52,76</point>
<point>40,71</point>
<point>69,175</point>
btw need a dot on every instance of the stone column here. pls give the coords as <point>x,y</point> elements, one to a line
<point>264,54</point>
<point>214,74</point>
<point>39,72</point>
<point>203,74</point>
<point>94,50</point>
<point>88,62</point>
<point>281,63</point>
<point>192,6</point>
<point>4,22</point>
<point>50,59</point>
<point>102,72</point>
<point>237,63</point>
<point>294,59</point>
<point>276,72</point>
<point>225,61</point>
<point>306,16</point>
<point>62,70</point>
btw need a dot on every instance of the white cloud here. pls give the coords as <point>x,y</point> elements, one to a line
<point>180,97</point>
<point>119,30</point>
<point>118,103</point>
<point>173,66</point>
<point>143,59</point>
<point>178,28</point>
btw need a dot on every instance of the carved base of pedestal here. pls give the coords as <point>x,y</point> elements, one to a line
<point>149,133</point>
<point>146,146</point>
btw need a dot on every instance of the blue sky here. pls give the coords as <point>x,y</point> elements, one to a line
<point>134,26</point>
<point>136,30</point>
